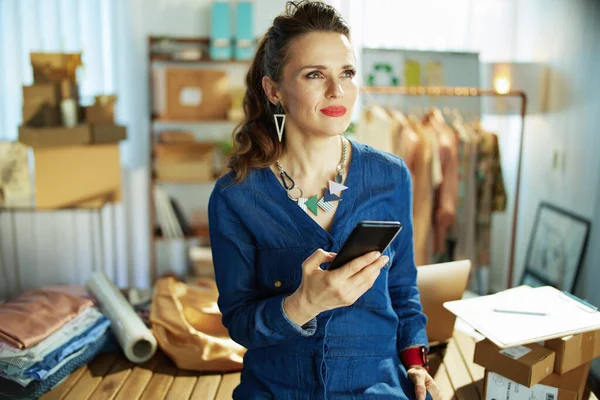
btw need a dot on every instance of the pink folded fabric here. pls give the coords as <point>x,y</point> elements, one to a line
<point>36,314</point>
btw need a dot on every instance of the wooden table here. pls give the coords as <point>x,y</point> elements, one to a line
<point>111,376</point>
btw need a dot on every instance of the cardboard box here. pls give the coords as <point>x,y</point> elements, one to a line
<point>41,104</point>
<point>54,67</point>
<point>186,162</point>
<point>572,381</point>
<point>42,93</point>
<point>570,386</point>
<point>96,114</point>
<point>77,135</point>
<point>71,175</point>
<point>102,111</point>
<point>177,137</point>
<point>43,115</point>
<point>527,364</point>
<point>575,350</point>
<point>193,94</point>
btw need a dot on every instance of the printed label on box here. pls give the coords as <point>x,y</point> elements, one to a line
<point>515,352</point>
<point>501,388</point>
<point>190,96</point>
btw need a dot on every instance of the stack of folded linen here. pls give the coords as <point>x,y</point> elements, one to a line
<point>44,336</point>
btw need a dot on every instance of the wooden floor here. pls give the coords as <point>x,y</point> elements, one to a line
<point>111,376</point>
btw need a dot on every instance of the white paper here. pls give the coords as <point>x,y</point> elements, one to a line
<point>190,96</point>
<point>515,352</point>
<point>15,182</point>
<point>136,340</point>
<point>501,388</point>
<point>564,317</point>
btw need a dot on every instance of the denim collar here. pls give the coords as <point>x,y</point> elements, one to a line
<point>342,213</point>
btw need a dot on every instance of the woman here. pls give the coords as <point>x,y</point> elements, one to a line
<point>296,190</point>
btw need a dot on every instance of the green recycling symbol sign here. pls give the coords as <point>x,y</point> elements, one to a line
<point>382,75</point>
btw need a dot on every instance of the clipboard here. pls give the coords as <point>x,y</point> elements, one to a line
<point>537,314</point>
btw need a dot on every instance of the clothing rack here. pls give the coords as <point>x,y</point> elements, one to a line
<point>469,92</point>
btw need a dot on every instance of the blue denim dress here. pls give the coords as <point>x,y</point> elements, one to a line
<point>260,238</point>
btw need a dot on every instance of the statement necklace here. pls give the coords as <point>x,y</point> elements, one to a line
<point>330,194</point>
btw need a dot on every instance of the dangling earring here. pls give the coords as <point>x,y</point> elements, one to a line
<point>279,121</point>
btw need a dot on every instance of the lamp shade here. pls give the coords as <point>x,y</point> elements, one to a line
<point>503,77</point>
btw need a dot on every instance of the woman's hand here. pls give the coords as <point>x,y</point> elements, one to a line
<point>423,383</point>
<point>322,290</point>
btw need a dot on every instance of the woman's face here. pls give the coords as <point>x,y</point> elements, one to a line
<point>318,88</point>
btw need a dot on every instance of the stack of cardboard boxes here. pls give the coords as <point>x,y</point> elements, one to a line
<point>75,149</point>
<point>552,370</point>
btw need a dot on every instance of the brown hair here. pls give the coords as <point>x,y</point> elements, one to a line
<point>255,141</point>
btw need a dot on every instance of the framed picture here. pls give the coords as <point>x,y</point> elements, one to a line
<point>556,248</point>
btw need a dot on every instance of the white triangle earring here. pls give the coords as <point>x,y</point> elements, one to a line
<point>279,121</point>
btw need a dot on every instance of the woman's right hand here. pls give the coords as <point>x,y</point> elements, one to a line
<point>322,290</point>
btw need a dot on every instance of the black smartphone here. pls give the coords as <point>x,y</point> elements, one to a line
<point>367,236</point>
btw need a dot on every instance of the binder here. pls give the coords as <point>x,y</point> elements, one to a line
<point>244,32</point>
<point>526,315</point>
<point>220,31</point>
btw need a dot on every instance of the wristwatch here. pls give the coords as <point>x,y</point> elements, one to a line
<point>415,356</point>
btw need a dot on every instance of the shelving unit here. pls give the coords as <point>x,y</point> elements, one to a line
<point>216,130</point>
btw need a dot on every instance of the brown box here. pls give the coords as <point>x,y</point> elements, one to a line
<point>54,67</point>
<point>41,115</point>
<point>102,111</point>
<point>96,114</point>
<point>575,350</point>
<point>71,175</point>
<point>195,94</point>
<point>42,93</point>
<point>572,381</point>
<point>176,137</point>
<point>186,162</point>
<point>535,363</point>
<point>41,104</point>
<point>77,135</point>
<point>571,386</point>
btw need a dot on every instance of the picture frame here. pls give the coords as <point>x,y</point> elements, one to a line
<point>556,248</point>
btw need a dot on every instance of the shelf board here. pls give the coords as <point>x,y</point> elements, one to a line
<point>155,58</point>
<point>185,237</point>
<point>194,122</point>
<point>161,181</point>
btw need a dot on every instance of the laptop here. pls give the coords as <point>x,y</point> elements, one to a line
<point>439,283</point>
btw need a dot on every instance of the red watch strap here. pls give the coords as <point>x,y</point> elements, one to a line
<point>414,356</point>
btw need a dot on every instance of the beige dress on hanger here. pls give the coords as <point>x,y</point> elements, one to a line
<point>447,194</point>
<point>463,231</point>
<point>409,145</point>
<point>374,128</point>
<point>423,193</point>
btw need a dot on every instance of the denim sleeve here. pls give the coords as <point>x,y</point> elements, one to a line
<point>403,289</point>
<point>251,320</point>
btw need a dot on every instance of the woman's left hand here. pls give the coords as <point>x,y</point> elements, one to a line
<point>423,383</point>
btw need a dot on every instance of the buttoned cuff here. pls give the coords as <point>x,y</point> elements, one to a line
<point>288,327</point>
<point>418,338</point>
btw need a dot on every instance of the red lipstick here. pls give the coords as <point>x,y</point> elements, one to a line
<point>334,111</point>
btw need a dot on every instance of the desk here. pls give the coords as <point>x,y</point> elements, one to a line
<point>111,376</point>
